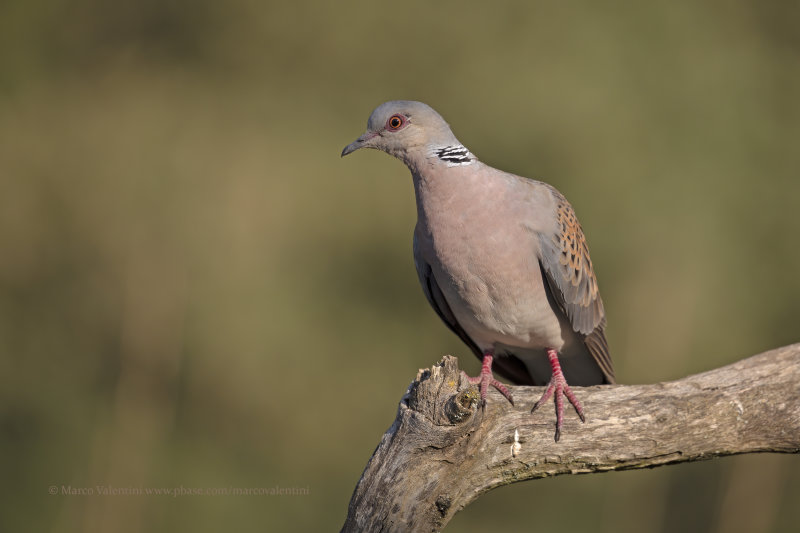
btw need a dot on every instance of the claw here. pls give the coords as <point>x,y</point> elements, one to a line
<point>558,386</point>
<point>486,378</point>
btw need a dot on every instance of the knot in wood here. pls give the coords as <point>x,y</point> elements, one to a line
<point>462,405</point>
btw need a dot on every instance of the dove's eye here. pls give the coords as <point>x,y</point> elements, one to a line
<point>395,122</point>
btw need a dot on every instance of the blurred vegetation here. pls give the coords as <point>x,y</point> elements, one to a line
<point>196,291</point>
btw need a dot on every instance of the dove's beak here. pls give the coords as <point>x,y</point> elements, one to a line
<point>361,142</point>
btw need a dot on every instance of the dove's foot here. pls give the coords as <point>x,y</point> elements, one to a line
<point>487,378</point>
<point>558,385</point>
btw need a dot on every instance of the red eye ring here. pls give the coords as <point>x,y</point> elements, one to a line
<point>396,122</point>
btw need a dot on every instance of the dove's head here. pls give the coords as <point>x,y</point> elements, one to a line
<point>404,129</point>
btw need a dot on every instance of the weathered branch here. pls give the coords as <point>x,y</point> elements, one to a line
<point>442,452</point>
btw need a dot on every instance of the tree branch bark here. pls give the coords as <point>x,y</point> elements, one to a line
<point>443,451</point>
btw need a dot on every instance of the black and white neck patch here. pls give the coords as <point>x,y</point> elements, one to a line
<point>454,155</point>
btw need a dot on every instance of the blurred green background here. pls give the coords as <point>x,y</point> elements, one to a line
<point>196,291</point>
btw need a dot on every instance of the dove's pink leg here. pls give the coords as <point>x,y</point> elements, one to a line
<point>559,385</point>
<point>487,378</point>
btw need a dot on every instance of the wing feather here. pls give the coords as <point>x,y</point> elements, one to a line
<point>569,273</point>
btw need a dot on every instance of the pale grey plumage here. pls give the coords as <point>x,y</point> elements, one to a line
<point>501,258</point>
